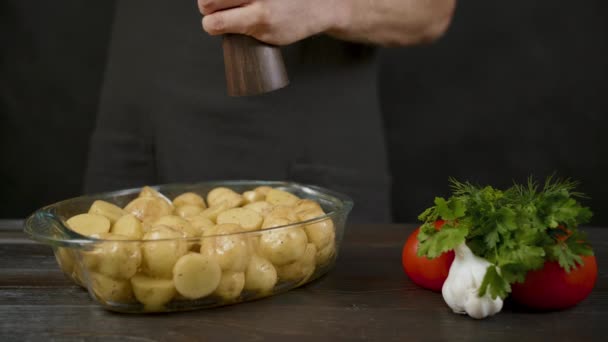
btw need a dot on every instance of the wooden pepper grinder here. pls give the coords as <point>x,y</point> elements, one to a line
<point>252,67</point>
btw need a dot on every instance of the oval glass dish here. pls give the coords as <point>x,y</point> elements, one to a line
<point>167,268</point>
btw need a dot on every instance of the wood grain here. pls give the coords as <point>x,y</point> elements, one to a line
<point>366,297</point>
<point>252,67</point>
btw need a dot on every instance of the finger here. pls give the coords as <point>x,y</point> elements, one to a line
<point>237,20</point>
<point>210,6</point>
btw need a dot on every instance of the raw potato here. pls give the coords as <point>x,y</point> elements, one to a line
<point>196,276</point>
<point>263,208</point>
<point>213,211</point>
<point>260,276</point>
<point>262,190</point>
<point>252,196</point>
<point>114,258</point>
<point>178,223</point>
<point>189,198</point>
<point>248,219</point>
<point>153,293</point>
<point>160,257</point>
<point>149,208</point>
<point>128,226</point>
<point>280,197</point>
<point>188,210</point>
<point>89,224</point>
<point>283,245</point>
<point>325,256</point>
<point>110,290</point>
<point>231,251</point>
<point>320,233</point>
<point>231,285</point>
<point>201,224</point>
<point>225,196</point>
<point>301,269</point>
<point>109,210</point>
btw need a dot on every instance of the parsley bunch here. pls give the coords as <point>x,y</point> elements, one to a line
<point>516,230</point>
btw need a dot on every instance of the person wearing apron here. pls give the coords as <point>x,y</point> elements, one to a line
<point>165,116</point>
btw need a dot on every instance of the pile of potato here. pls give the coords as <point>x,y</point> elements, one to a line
<point>156,250</point>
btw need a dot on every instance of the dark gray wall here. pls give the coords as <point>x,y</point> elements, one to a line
<point>51,64</point>
<point>515,88</point>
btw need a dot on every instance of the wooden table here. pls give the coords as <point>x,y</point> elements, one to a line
<point>366,297</point>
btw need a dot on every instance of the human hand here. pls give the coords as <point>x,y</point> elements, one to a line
<point>277,22</point>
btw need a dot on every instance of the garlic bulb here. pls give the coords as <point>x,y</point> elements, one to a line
<point>461,288</point>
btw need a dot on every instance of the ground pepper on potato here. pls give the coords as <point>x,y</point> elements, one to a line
<point>156,250</point>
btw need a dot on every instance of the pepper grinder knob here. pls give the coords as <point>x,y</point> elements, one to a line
<point>252,67</point>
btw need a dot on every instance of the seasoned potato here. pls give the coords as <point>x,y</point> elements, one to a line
<point>128,226</point>
<point>262,190</point>
<point>260,276</point>
<point>320,233</point>
<point>196,276</point>
<point>78,275</point>
<point>200,224</point>
<point>149,208</point>
<point>215,193</point>
<point>254,243</point>
<point>213,211</point>
<point>189,198</point>
<point>231,251</point>
<point>109,290</point>
<point>263,208</point>
<point>153,293</point>
<point>248,219</point>
<point>252,196</point>
<point>109,210</point>
<point>160,257</point>
<point>280,197</point>
<point>280,212</point>
<point>305,205</point>
<point>272,222</point>
<point>325,255</point>
<point>147,191</point>
<point>188,210</point>
<point>114,258</point>
<point>224,196</point>
<point>89,224</point>
<point>178,223</point>
<point>301,269</point>
<point>231,285</point>
<point>65,259</point>
<point>283,245</point>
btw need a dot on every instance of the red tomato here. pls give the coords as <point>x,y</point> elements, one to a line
<point>552,288</point>
<point>428,273</point>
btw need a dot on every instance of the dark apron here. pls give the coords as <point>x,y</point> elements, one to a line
<point>165,116</point>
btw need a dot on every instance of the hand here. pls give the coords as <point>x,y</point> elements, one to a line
<point>277,22</point>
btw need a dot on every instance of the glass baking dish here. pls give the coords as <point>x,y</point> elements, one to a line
<point>176,274</point>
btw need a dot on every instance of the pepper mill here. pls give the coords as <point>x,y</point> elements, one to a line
<point>252,67</point>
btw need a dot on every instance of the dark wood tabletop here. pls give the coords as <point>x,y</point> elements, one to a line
<point>366,297</point>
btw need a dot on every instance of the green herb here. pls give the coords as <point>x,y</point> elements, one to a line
<point>516,230</point>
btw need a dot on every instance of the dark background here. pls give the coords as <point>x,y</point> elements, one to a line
<point>514,88</point>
